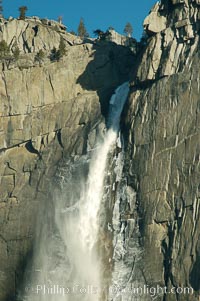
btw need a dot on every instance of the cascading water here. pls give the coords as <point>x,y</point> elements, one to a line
<point>70,267</point>
<point>126,272</point>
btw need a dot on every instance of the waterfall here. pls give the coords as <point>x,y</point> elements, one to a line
<point>73,269</point>
<point>90,203</point>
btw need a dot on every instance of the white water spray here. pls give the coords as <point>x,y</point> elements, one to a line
<point>79,225</point>
<point>81,234</point>
<point>90,204</point>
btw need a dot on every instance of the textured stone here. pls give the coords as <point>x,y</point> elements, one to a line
<point>151,60</point>
<point>155,23</point>
<point>167,53</point>
<point>123,40</point>
<point>55,110</point>
<point>47,111</point>
<point>182,23</point>
<point>178,1</point>
<point>162,154</point>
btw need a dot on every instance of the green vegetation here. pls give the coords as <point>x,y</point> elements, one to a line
<point>102,35</point>
<point>40,56</point>
<point>128,29</point>
<point>82,32</point>
<point>16,51</point>
<point>4,50</point>
<point>53,55</point>
<point>6,54</point>
<point>98,33</point>
<point>56,55</point>
<point>62,48</point>
<point>22,11</point>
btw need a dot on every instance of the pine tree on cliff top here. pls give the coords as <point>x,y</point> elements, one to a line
<point>82,32</point>
<point>22,11</point>
<point>128,29</point>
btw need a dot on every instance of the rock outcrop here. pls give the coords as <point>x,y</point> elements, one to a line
<point>48,110</point>
<point>163,149</point>
<point>123,40</point>
<point>174,31</point>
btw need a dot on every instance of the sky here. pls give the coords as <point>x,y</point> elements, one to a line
<point>96,15</point>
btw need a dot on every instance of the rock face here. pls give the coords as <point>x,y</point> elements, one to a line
<point>123,40</point>
<point>174,28</point>
<point>53,110</point>
<point>163,149</point>
<point>155,22</point>
<point>48,110</point>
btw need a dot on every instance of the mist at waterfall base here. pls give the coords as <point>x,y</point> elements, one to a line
<point>67,263</point>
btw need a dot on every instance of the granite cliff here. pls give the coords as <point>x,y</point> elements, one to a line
<point>49,110</point>
<point>163,147</point>
<point>53,110</point>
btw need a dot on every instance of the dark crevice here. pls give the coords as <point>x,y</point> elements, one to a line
<point>8,165</point>
<point>20,272</point>
<point>25,44</point>
<point>50,81</point>
<point>35,29</point>
<point>164,248</point>
<point>195,274</point>
<point>59,137</point>
<point>31,149</point>
<point>167,249</point>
